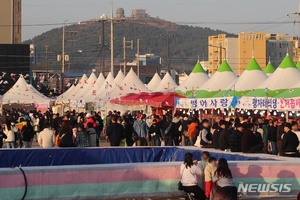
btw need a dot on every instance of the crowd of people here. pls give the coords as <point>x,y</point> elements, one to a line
<point>216,176</point>
<point>248,135</point>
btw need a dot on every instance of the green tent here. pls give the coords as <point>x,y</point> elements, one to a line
<point>269,70</point>
<point>221,80</point>
<point>195,80</point>
<point>245,82</point>
<point>285,76</point>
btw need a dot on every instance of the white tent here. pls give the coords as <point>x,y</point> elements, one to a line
<point>251,77</point>
<point>284,77</point>
<point>72,91</point>
<point>95,87</point>
<point>155,81</point>
<point>108,83</point>
<point>21,92</point>
<point>118,80</point>
<point>195,80</point>
<point>130,84</point>
<point>166,84</point>
<point>82,91</point>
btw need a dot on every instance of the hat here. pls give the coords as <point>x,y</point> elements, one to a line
<point>88,115</point>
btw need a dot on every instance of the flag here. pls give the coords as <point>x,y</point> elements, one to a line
<point>234,102</point>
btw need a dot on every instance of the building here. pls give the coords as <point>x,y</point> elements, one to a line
<point>15,60</point>
<point>296,48</point>
<point>10,20</point>
<point>219,48</point>
<point>239,51</point>
<point>278,45</point>
<point>252,44</point>
<point>139,13</point>
<point>120,13</point>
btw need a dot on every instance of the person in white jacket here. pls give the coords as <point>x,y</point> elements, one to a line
<point>189,172</point>
<point>10,132</point>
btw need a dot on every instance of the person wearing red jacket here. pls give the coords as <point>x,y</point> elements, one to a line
<point>90,119</point>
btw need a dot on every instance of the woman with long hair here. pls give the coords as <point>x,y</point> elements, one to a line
<point>82,137</point>
<point>189,181</point>
<point>66,135</point>
<point>224,189</point>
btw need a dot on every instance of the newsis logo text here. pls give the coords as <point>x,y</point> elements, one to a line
<point>264,187</point>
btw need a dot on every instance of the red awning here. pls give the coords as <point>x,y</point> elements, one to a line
<point>165,100</point>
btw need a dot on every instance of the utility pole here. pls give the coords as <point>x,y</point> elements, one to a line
<point>168,53</point>
<point>63,59</point>
<point>103,18</point>
<point>124,51</point>
<point>138,56</point>
<point>112,41</point>
<point>47,74</point>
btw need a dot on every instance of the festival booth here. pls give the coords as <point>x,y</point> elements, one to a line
<point>223,79</point>
<point>154,83</point>
<point>82,91</point>
<point>94,89</point>
<point>24,94</point>
<point>194,81</point>
<point>167,84</point>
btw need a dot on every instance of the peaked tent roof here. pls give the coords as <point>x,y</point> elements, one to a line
<point>70,93</point>
<point>22,92</point>
<point>118,80</point>
<point>155,81</point>
<point>223,79</point>
<point>195,80</point>
<point>96,94</point>
<point>82,91</point>
<point>100,79</point>
<point>269,69</point>
<point>245,83</point>
<point>285,77</point>
<point>130,84</point>
<point>166,84</point>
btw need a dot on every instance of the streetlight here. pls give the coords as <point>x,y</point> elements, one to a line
<point>103,18</point>
<point>221,48</point>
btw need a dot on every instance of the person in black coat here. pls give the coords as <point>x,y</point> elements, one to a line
<point>66,135</point>
<point>27,133</point>
<point>248,138</point>
<point>115,132</point>
<point>272,136</point>
<point>236,138</point>
<point>216,134</point>
<point>128,128</point>
<point>224,139</point>
<point>290,142</point>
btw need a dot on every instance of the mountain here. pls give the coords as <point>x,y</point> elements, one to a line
<point>82,43</point>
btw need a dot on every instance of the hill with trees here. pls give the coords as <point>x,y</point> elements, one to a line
<point>83,43</point>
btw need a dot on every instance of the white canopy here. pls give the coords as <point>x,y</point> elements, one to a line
<point>166,84</point>
<point>108,83</point>
<point>284,77</point>
<point>22,92</point>
<point>155,81</point>
<point>251,77</point>
<point>195,80</point>
<point>95,87</point>
<point>130,84</point>
<point>223,79</point>
<point>72,91</point>
<point>82,91</point>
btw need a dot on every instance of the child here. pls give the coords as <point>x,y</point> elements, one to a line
<point>204,160</point>
<point>209,173</point>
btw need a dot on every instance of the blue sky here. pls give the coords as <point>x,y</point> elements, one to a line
<point>229,15</point>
